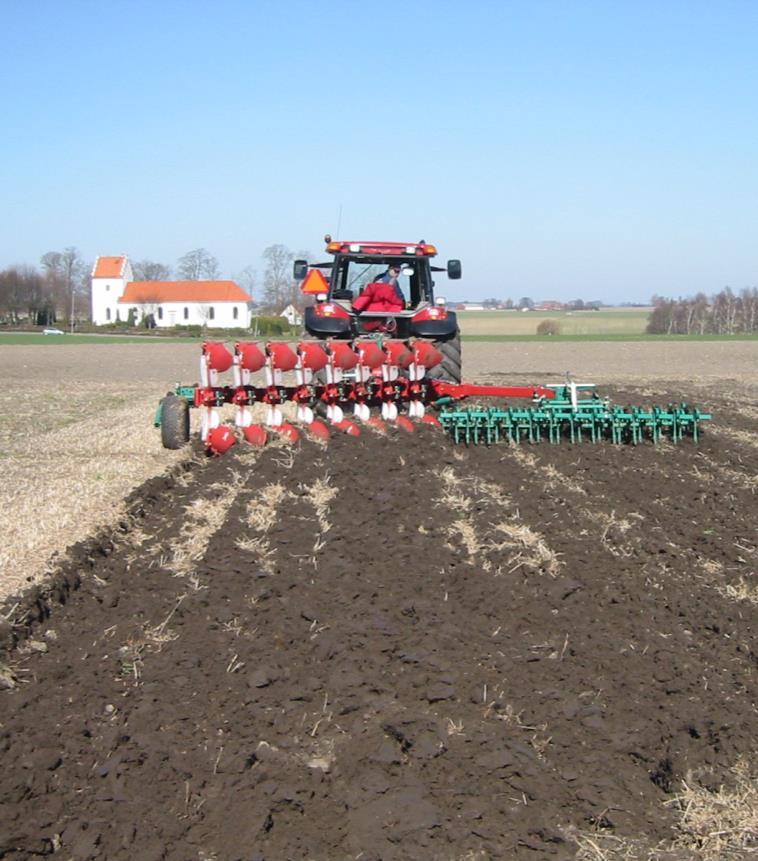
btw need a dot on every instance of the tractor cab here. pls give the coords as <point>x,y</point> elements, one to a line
<point>355,271</point>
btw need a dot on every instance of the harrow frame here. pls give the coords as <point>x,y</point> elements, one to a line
<point>578,419</point>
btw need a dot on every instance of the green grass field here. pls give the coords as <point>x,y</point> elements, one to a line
<point>27,338</point>
<point>610,324</point>
<point>610,321</point>
<point>575,339</point>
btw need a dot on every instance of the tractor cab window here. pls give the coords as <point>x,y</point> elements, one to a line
<point>353,276</point>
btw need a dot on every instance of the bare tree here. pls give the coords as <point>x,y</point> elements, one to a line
<point>64,271</point>
<point>725,314</point>
<point>696,315</point>
<point>11,301</point>
<point>660,320</point>
<point>749,299</point>
<point>205,314</point>
<point>149,270</point>
<point>279,287</point>
<point>52,261</point>
<point>277,276</point>
<point>248,280</point>
<point>23,292</point>
<point>52,267</point>
<point>296,297</point>
<point>197,265</point>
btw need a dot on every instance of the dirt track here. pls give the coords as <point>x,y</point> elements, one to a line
<point>393,649</point>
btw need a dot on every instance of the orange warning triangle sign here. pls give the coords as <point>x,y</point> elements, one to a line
<point>315,283</point>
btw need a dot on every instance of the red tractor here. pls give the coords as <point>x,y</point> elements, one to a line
<point>342,287</point>
<point>387,346</point>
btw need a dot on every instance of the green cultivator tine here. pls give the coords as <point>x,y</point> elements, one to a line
<point>556,419</point>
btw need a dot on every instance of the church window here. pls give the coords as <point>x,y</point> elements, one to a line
<point>107,313</point>
<point>211,313</point>
<point>186,313</point>
<point>235,312</point>
<point>160,313</point>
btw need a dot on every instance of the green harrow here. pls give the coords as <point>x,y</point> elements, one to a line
<point>576,413</point>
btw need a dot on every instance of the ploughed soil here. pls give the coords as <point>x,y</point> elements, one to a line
<point>390,648</point>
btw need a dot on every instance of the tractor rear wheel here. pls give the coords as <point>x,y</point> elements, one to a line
<point>449,368</point>
<point>175,422</point>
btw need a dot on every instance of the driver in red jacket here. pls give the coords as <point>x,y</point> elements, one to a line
<point>380,296</point>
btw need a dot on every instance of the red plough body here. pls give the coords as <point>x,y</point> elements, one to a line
<point>330,378</point>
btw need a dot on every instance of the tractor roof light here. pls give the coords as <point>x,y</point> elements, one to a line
<point>389,249</point>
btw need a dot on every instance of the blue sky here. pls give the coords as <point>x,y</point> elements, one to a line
<point>560,149</point>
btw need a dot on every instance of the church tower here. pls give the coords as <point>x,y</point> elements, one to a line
<point>110,275</point>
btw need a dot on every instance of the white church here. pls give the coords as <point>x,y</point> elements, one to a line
<point>222,304</point>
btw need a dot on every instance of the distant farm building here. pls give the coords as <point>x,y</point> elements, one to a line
<point>292,315</point>
<point>115,295</point>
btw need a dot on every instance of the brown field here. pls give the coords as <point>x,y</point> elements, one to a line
<point>387,648</point>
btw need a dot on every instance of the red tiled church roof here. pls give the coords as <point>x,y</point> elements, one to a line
<point>109,267</point>
<point>153,292</point>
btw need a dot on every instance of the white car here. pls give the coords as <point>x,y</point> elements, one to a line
<point>53,332</point>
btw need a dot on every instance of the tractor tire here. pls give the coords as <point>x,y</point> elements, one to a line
<point>175,422</point>
<point>449,369</point>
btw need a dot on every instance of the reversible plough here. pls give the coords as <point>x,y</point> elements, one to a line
<point>335,379</point>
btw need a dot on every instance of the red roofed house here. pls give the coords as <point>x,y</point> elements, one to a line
<point>171,303</point>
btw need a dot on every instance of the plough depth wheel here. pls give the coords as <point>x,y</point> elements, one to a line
<point>175,422</point>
